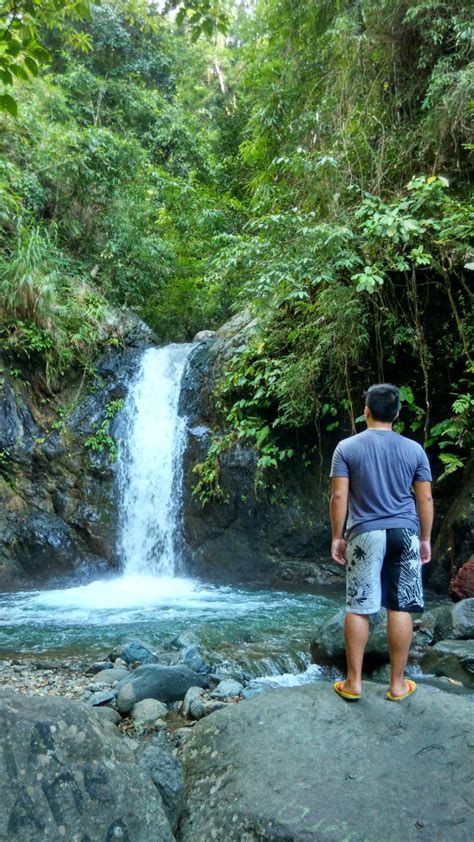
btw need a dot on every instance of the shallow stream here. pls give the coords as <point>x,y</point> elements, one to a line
<point>264,631</point>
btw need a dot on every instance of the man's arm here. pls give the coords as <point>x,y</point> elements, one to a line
<point>424,505</point>
<point>339,498</point>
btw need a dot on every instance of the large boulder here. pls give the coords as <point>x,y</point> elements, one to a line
<point>301,764</point>
<point>328,646</point>
<point>68,776</point>
<point>154,681</point>
<point>453,658</point>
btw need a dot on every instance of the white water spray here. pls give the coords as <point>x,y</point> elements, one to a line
<point>150,465</point>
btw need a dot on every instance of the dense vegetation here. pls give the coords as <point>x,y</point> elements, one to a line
<point>311,164</point>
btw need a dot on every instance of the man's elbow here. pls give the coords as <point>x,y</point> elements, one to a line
<point>425,497</point>
<point>338,497</point>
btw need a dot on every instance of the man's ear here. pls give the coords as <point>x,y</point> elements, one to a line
<point>366,411</point>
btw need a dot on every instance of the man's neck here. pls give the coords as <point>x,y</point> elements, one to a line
<point>378,425</point>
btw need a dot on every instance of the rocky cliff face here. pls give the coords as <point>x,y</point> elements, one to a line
<point>57,505</point>
<point>245,536</point>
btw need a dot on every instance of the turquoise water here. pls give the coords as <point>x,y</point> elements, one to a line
<point>264,631</point>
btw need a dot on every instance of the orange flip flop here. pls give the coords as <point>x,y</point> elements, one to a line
<point>392,698</point>
<point>344,694</point>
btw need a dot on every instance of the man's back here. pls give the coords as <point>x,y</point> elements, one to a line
<point>381,466</point>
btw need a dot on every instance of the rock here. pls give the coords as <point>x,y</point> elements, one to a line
<point>193,705</point>
<point>44,545</point>
<point>148,710</point>
<point>205,335</point>
<point>328,647</point>
<point>99,666</point>
<point>246,536</point>
<point>166,772</point>
<point>110,676</point>
<point>453,658</point>
<point>454,621</point>
<point>153,681</point>
<point>106,713</point>
<point>461,586</point>
<point>191,657</point>
<point>227,688</point>
<point>463,619</point>
<point>101,697</point>
<point>68,777</point>
<point>135,651</point>
<point>280,771</point>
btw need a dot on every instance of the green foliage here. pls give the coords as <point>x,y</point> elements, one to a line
<point>21,52</point>
<point>102,440</point>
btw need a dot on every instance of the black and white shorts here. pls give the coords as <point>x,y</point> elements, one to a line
<point>384,569</point>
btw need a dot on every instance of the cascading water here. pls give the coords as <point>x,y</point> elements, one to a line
<point>264,632</point>
<point>150,465</point>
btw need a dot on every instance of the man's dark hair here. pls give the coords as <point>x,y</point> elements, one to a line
<point>383,400</point>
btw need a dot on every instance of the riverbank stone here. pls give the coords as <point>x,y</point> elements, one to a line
<point>166,772</point>
<point>453,658</point>
<point>308,766</point>
<point>135,651</point>
<point>227,688</point>
<point>153,681</point>
<point>67,776</point>
<point>148,710</point>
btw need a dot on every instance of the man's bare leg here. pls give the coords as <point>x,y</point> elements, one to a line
<point>399,633</point>
<point>356,632</point>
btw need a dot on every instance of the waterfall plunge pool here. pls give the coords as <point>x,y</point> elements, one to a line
<point>263,631</point>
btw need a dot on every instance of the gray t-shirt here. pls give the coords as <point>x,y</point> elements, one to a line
<point>381,466</point>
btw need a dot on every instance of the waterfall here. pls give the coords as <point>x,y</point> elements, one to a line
<point>150,465</point>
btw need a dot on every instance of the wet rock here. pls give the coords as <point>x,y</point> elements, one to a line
<point>205,335</point>
<point>226,689</point>
<point>148,710</point>
<point>44,545</point>
<point>69,777</point>
<point>454,544</point>
<point>135,651</point>
<point>278,771</point>
<point>462,585</point>
<point>192,657</point>
<point>153,681</point>
<point>453,658</point>
<point>166,772</point>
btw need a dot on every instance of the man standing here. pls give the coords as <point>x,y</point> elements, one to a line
<point>385,481</point>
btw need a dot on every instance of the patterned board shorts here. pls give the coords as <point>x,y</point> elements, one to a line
<point>384,569</point>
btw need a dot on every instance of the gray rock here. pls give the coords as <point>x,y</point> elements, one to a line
<point>113,675</point>
<point>453,658</point>
<point>166,772</point>
<point>66,776</point>
<point>99,666</point>
<point>463,619</point>
<point>308,767</point>
<point>107,714</point>
<point>204,335</point>
<point>191,657</point>
<point>137,651</point>
<point>101,697</point>
<point>227,688</point>
<point>153,681</point>
<point>193,705</point>
<point>148,710</point>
